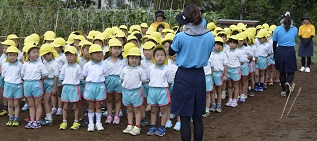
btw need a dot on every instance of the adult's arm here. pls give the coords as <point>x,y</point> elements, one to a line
<point>171,52</point>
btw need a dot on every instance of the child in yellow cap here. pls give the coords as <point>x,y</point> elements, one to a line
<point>33,73</point>
<point>144,28</point>
<point>48,53</point>
<point>13,84</point>
<point>71,75</point>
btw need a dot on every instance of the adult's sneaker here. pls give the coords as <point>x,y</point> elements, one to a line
<point>177,126</point>
<point>302,69</point>
<point>168,124</point>
<point>307,69</point>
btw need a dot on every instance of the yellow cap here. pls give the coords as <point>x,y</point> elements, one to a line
<point>218,39</point>
<point>84,43</point>
<point>266,26</point>
<point>232,26</point>
<point>242,26</point>
<point>222,32</point>
<point>148,45</point>
<point>234,37</point>
<point>59,42</point>
<point>114,28</point>
<point>227,31</point>
<point>12,49</point>
<point>92,34</point>
<point>123,27</point>
<point>108,31</point>
<point>238,29</point>
<point>259,27</point>
<point>153,39</point>
<point>250,37</point>
<point>252,30</point>
<point>134,52</point>
<point>70,39</point>
<point>36,38</point>
<point>131,37</point>
<point>28,48</point>
<point>272,27</point>
<point>100,37</point>
<point>95,48</point>
<point>168,37</point>
<point>12,36</point>
<point>114,42</point>
<point>144,25</point>
<point>175,27</point>
<point>71,49</point>
<point>151,29</point>
<point>79,37</point>
<point>211,26</point>
<point>160,47</point>
<point>218,29</point>
<point>126,49</point>
<point>120,35</point>
<point>8,43</point>
<point>241,36</point>
<point>47,48</point>
<point>262,33</point>
<point>49,36</point>
<point>157,35</point>
<point>77,32</point>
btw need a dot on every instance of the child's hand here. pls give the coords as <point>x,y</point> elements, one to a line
<point>54,91</point>
<point>225,78</point>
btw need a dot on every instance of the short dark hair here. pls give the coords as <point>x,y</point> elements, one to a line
<point>193,14</point>
<point>158,49</point>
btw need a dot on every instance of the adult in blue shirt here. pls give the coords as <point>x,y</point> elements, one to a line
<point>203,22</point>
<point>193,47</point>
<point>285,56</point>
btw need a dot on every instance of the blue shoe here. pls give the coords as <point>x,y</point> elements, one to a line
<point>256,88</point>
<point>152,131</point>
<point>242,99</point>
<point>260,89</point>
<point>46,122</point>
<point>161,131</point>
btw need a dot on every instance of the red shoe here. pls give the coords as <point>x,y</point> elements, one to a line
<point>27,119</point>
<point>276,80</point>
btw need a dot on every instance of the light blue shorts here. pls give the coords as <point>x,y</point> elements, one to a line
<point>262,63</point>
<point>12,91</point>
<point>209,83</point>
<point>82,85</point>
<point>132,97</point>
<point>244,69</point>
<point>252,67</point>
<point>271,60</point>
<point>95,91</point>
<point>48,85</point>
<point>33,89</point>
<point>234,74</point>
<point>59,83</point>
<point>70,93</point>
<point>217,78</point>
<point>145,90</point>
<point>114,84</point>
<point>158,96</point>
<point>1,82</point>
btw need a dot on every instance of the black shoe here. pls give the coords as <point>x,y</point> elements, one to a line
<point>144,122</point>
<point>83,123</point>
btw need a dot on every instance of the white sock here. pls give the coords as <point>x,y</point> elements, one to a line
<point>98,117</point>
<point>49,116</point>
<point>91,118</point>
<point>230,99</point>
<point>207,109</point>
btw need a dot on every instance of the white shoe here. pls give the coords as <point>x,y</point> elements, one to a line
<point>99,127</point>
<point>307,69</point>
<point>148,108</point>
<point>234,103</point>
<point>229,103</point>
<point>59,112</point>
<point>160,114</point>
<point>172,116</point>
<point>25,107</point>
<point>91,127</point>
<point>120,113</point>
<point>223,95</point>
<point>177,126</point>
<point>168,124</point>
<point>135,131</point>
<point>128,129</point>
<point>302,69</point>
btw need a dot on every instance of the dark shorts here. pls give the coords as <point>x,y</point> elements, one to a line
<point>189,92</point>
<point>285,59</point>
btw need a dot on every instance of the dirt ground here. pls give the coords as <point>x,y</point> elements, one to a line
<point>257,119</point>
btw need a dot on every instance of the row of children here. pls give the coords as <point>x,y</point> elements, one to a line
<point>126,66</point>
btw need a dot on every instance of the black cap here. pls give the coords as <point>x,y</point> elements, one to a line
<point>159,13</point>
<point>201,9</point>
<point>181,19</point>
<point>306,17</point>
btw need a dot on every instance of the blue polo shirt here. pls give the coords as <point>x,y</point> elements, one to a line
<point>193,51</point>
<point>204,23</point>
<point>284,38</point>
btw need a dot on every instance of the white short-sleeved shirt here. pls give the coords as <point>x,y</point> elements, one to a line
<point>114,68</point>
<point>3,59</point>
<point>61,60</point>
<point>71,74</point>
<point>173,67</point>
<point>263,50</point>
<point>82,62</point>
<point>220,60</point>
<point>104,49</point>
<point>271,45</point>
<point>145,64</point>
<point>243,54</point>
<point>52,68</point>
<point>33,70</point>
<point>159,77</point>
<point>12,72</point>
<point>234,58</point>
<point>226,48</point>
<point>95,72</point>
<point>207,69</point>
<point>248,51</point>
<point>132,77</point>
<point>253,47</point>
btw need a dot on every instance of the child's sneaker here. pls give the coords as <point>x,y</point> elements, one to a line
<point>256,88</point>
<point>234,103</point>
<point>270,82</point>
<point>264,85</point>
<point>35,125</point>
<point>27,119</point>
<point>91,127</point>
<point>242,99</point>
<point>85,112</point>
<point>238,98</point>
<point>4,113</point>
<point>228,103</point>
<point>109,120</point>
<point>206,114</point>
<point>59,112</point>
<point>148,108</point>
<point>213,107</point>
<point>168,124</point>
<point>152,130</point>
<point>177,126</point>
<point>25,107</point>
<point>120,113</point>
<point>161,131</point>
<point>172,116</point>
<point>28,126</point>
<point>219,108</point>
<point>15,123</point>
<point>46,122</point>
<point>135,131</point>
<point>283,93</point>
<point>54,110</point>
<point>75,126</point>
<point>144,122</point>
<point>99,127</point>
<point>9,123</point>
<point>260,89</point>
<point>63,126</point>
<point>105,114</point>
<point>83,122</point>
<point>116,120</point>
<point>251,93</point>
<point>223,94</point>
<point>128,129</point>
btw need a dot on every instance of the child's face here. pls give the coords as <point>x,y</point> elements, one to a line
<point>121,40</point>
<point>48,41</point>
<point>160,57</point>
<point>12,57</point>
<point>240,43</point>
<point>218,47</point>
<point>261,40</point>
<point>70,57</point>
<point>144,30</point>
<point>167,47</point>
<point>148,53</point>
<point>134,60</point>
<point>76,43</point>
<point>98,42</point>
<point>124,31</point>
<point>59,49</point>
<point>135,42</point>
<point>34,54</point>
<point>160,30</point>
<point>4,48</point>
<point>96,56</point>
<point>85,51</point>
<point>224,38</point>
<point>116,51</point>
<point>233,45</point>
<point>48,56</point>
<point>16,42</point>
<point>163,35</point>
